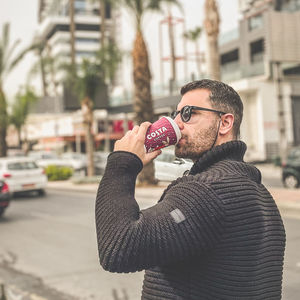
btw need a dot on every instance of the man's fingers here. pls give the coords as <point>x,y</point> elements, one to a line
<point>152,155</point>
<point>135,129</point>
<point>142,130</point>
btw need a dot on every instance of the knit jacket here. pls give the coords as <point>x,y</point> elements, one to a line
<point>214,234</point>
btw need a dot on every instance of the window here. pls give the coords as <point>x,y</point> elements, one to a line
<point>290,6</point>
<point>255,22</point>
<point>79,6</point>
<point>85,54</point>
<point>26,165</point>
<point>87,40</point>
<point>257,51</point>
<point>230,57</point>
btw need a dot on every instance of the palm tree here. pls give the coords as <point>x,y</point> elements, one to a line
<point>108,58</point>
<point>103,4</point>
<point>46,67</point>
<point>143,106</point>
<point>102,24</point>
<point>91,76</point>
<point>7,64</point>
<point>211,24</point>
<point>88,80</point>
<point>20,110</point>
<point>193,36</point>
<point>42,63</point>
<point>72,32</point>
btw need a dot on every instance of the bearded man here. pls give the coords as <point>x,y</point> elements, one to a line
<point>215,233</point>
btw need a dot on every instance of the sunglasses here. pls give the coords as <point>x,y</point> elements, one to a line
<point>186,112</point>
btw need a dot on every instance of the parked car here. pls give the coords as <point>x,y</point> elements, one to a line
<point>22,174</point>
<point>78,161</point>
<point>291,169</point>
<point>4,197</point>
<point>44,159</point>
<point>100,160</point>
<point>168,167</point>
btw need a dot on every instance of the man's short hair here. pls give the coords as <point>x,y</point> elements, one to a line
<point>222,96</point>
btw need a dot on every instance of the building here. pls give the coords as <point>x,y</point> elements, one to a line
<point>268,36</point>
<point>56,114</point>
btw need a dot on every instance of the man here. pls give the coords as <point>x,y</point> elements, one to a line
<point>215,233</point>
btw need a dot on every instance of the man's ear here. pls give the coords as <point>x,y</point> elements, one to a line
<point>226,125</point>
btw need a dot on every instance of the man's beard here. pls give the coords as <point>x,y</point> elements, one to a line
<point>194,146</point>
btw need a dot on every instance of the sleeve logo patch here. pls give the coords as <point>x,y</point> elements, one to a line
<point>177,215</point>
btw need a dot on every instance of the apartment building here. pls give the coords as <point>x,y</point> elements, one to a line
<point>268,35</point>
<point>57,115</point>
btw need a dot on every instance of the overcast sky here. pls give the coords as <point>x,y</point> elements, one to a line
<point>22,16</point>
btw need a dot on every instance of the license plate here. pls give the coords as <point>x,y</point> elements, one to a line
<point>28,186</point>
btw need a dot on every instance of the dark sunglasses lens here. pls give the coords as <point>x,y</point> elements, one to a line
<point>186,114</point>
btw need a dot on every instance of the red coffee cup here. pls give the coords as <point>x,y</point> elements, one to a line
<point>162,133</point>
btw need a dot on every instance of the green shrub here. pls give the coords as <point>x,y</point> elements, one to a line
<point>58,172</point>
<point>276,161</point>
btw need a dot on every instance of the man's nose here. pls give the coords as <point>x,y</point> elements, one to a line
<point>179,122</point>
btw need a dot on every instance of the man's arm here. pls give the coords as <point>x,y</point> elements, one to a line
<point>188,222</point>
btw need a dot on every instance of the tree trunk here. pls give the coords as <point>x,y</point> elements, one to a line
<point>19,138</point>
<point>213,58</point>
<point>72,32</point>
<point>211,24</point>
<point>87,113</point>
<point>3,123</point>
<point>53,76</point>
<point>198,59</point>
<point>143,106</point>
<point>43,73</point>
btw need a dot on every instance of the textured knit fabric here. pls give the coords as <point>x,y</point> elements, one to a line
<point>214,234</point>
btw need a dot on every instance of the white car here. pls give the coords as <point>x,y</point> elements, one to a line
<point>22,174</point>
<point>100,160</point>
<point>45,159</point>
<point>78,161</point>
<point>168,167</point>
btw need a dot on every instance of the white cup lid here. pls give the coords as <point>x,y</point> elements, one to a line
<point>176,128</point>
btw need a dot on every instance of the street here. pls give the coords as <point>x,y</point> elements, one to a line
<point>48,251</point>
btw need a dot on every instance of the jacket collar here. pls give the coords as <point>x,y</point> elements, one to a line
<point>233,150</point>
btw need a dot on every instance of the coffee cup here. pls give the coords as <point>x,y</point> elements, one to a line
<point>162,133</point>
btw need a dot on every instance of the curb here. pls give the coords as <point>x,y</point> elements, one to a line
<point>11,292</point>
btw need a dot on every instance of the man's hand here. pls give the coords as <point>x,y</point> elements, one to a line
<point>133,141</point>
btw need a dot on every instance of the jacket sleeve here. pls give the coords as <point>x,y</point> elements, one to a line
<point>187,222</point>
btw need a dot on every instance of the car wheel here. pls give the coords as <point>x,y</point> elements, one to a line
<point>291,181</point>
<point>41,192</point>
<point>2,210</point>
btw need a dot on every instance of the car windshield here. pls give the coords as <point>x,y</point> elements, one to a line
<point>294,153</point>
<point>24,165</point>
<point>100,156</point>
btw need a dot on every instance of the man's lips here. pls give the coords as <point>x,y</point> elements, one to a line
<point>181,141</point>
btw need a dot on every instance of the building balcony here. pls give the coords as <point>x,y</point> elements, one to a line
<point>233,71</point>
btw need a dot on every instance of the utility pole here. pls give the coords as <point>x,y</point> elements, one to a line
<point>283,144</point>
<point>172,52</point>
